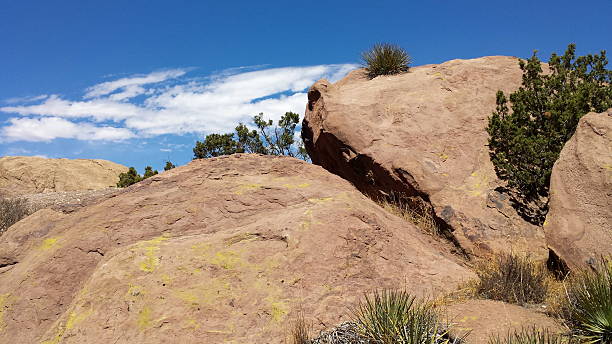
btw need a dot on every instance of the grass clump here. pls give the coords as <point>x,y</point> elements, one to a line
<point>385,59</point>
<point>512,278</point>
<point>588,303</point>
<point>391,317</point>
<point>418,215</point>
<point>530,336</point>
<point>300,331</point>
<point>11,211</point>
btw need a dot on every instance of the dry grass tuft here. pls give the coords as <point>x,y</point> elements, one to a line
<point>531,335</point>
<point>512,278</point>
<point>300,331</point>
<point>416,214</point>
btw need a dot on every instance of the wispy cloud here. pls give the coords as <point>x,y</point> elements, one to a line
<point>132,82</point>
<point>110,111</point>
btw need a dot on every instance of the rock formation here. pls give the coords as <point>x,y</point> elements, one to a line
<point>221,250</point>
<point>421,135</point>
<point>578,226</point>
<point>26,175</point>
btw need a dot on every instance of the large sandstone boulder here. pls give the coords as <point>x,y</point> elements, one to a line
<point>421,135</point>
<point>223,250</point>
<point>578,226</point>
<point>26,175</point>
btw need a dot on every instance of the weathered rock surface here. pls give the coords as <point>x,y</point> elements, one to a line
<point>483,319</point>
<point>578,226</point>
<point>224,250</point>
<point>26,175</point>
<point>422,134</point>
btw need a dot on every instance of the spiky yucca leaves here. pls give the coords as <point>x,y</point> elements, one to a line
<point>396,317</point>
<point>530,336</point>
<point>589,303</point>
<point>385,59</point>
<point>512,278</point>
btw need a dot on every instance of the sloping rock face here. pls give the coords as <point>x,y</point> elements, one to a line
<point>578,225</point>
<point>421,135</point>
<point>26,175</point>
<point>482,319</point>
<point>223,250</point>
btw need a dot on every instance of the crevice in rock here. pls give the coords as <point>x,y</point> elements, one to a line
<point>374,180</point>
<point>556,265</point>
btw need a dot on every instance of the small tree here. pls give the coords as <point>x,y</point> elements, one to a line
<point>215,145</point>
<point>128,178</point>
<point>525,143</point>
<point>169,166</point>
<point>267,139</point>
<point>149,172</point>
<point>132,177</point>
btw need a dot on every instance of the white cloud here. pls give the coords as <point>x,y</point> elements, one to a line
<point>111,86</point>
<point>187,106</point>
<point>49,128</point>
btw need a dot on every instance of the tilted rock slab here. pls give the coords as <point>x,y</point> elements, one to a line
<point>26,175</point>
<point>422,134</point>
<point>223,250</point>
<point>578,225</point>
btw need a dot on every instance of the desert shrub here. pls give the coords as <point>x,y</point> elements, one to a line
<point>149,172</point>
<point>11,211</point>
<point>266,139</point>
<point>132,177</point>
<point>525,143</point>
<point>588,303</point>
<point>531,335</point>
<point>390,317</point>
<point>385,59</point>
<point>169,166</point>
<point>512,278</point>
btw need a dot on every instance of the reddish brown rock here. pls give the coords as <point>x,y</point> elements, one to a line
<point>422,135</point>
<point>224,250</point>
<point>578,226</point>
<point>483,319</point>
<point>27,174</point>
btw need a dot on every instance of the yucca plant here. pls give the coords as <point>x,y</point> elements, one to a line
<point>531,335</point>
<point>512,278</point>
<point>385,59</point>
<point>396,317</point>
<point>589,303</point>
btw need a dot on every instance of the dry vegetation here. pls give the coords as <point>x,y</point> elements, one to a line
<point>11,211</point>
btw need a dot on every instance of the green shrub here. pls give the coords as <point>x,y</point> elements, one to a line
<point>169,166</point>
<point>132,177</point>
<point>385,59</point>
<point>525,143</point>
<point>513,279</point>
<point>588,306</point>
<point>530,336</point>
<point>11,211</point>
<point>390,317</point>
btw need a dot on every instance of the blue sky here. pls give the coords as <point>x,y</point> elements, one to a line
<point>137,82</point>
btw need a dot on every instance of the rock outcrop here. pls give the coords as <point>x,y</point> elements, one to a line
<point>482,319</point>
<point>221,250</point>
<point>26,175</point>
<point>421,135</point>
<point>578,225</point>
